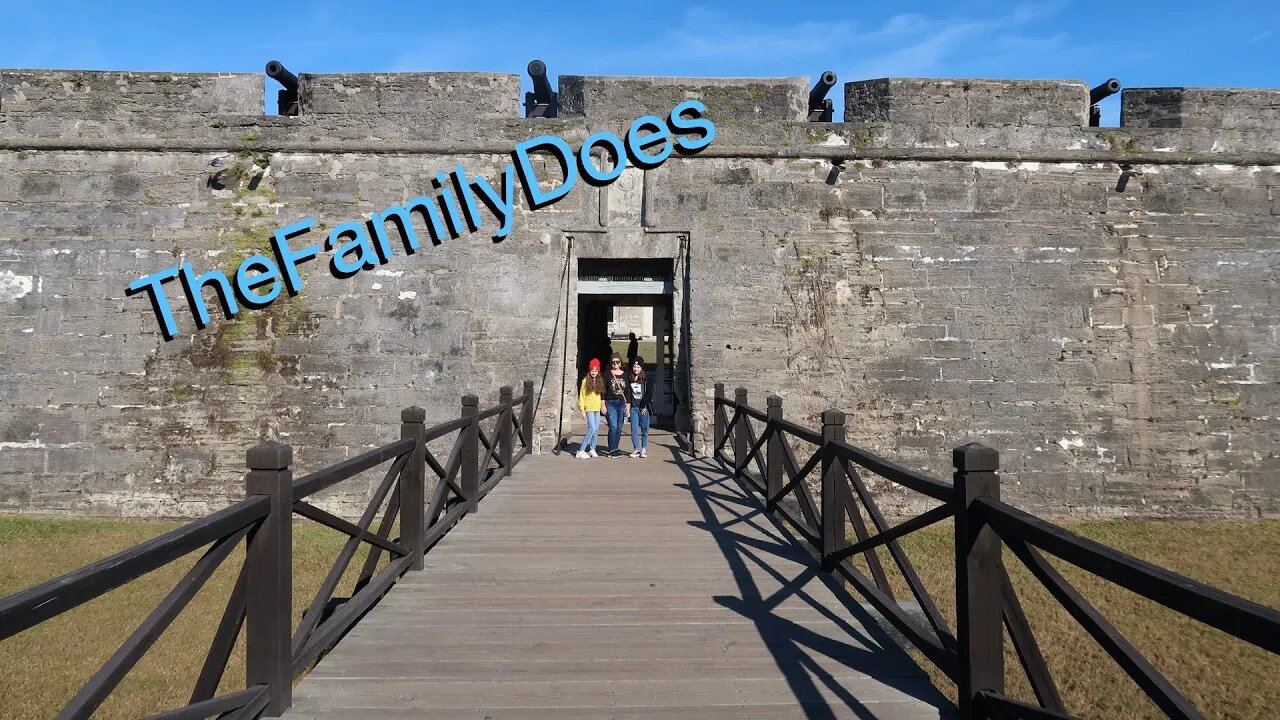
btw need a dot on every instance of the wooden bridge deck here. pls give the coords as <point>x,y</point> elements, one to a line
<point>618,588</point>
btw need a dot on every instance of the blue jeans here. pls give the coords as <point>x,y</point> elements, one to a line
<point>614,408</point>
<point>640,429</point>
<point>593,429</point>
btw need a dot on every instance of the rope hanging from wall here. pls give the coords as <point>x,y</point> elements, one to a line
<point>564,342</point>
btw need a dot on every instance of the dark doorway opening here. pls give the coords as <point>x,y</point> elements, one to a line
<point>621,298</point>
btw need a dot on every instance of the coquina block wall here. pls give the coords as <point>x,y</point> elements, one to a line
<point>958,260</point>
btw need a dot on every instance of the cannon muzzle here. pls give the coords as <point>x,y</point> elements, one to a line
<point>286,99</point>
<point>277,71</point>
<point>541,86</point>
<point>820,108</point>
<point>542,101</point>
<point>1104,91</point>
<point>1097,95</point>
<point>821,88</point>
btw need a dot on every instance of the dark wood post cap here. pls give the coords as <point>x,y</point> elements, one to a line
<point>975,457</point>
<point>269,455</point>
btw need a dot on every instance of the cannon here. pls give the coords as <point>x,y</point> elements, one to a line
<point>1097,95</point>
<point>543,101</point>
<point>286,99</point>
<point>820,106</point>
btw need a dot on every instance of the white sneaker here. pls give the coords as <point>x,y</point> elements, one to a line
<point>644,452</point>
<point>581,455</point>
<point>635,454</point>
<point>592,452</point>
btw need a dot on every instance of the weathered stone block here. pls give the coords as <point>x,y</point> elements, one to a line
<point>728,100</point>
<point>928,101</point>
<point>452,99</point>
<point>100,94</point>
<point>1210,108</point>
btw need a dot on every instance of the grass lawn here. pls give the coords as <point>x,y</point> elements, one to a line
<point>42,667</point>
<point>648,349</point>
<point>1222,676</point>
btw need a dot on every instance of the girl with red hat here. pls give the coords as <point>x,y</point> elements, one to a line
<point>589,401</point>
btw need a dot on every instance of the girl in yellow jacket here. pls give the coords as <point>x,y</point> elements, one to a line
<point>589,395</point>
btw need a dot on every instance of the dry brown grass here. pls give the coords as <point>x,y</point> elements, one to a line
<point>1224,677</point>
<point>41,668</point>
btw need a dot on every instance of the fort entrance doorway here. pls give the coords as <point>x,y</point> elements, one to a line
<point>621,298</point>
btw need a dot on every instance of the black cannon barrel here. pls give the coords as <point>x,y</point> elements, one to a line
<point>820,89</point>
<point>277,71</point>
<point>541,87</point>
<point>1103,91</point>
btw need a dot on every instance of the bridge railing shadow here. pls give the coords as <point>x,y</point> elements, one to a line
<point>986,602</point>
<point>259,606</point>
<point>725,504</point>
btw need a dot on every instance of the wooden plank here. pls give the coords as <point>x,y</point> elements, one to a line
<point>650,666</point>
<point>572,615</point>
<point>575,605</point>
<point>606,649</point>
<point>734,711</point>
<point>428,696</point>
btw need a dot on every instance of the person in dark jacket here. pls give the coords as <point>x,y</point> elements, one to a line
<point>640,393</point>
<point>616,402</point>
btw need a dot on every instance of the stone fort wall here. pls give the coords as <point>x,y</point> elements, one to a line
<point>958,260</point>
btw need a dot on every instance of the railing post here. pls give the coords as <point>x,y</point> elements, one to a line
<point>979,608</point>
<point>717,413</point>
<point>413,524</point>
<point>740,444</point>
<point>526,417</point>
<point>503,437</point>
<point>773,466</point>
<point>834,489</point>
<point>469,481</point>
<point>269,579</point>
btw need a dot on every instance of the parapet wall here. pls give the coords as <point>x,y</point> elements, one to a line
<point>478,96</point>
<point>1207,108</point>
<point>968,103</point>
<point>421,111</point>
<point>959,260</point>
<point>98,95</point>
<point>742,100</point>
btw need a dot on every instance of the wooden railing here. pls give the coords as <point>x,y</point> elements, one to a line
<point>260,602</point>
<point>986,602</point>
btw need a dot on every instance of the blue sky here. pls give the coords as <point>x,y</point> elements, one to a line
<point>1144,44</point>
